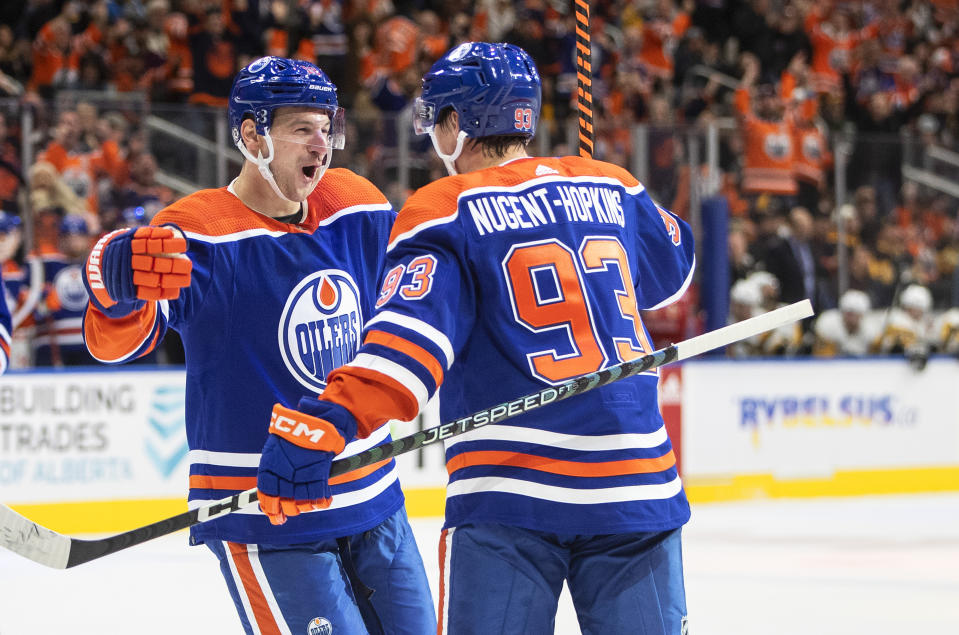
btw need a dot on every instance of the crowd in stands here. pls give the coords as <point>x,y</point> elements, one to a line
<point>794,77</point>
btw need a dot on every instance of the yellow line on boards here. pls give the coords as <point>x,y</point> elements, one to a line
<point>96,517</point>
<point>840,483</point>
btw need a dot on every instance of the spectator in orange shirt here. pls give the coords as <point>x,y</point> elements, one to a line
<point>833,37</point>
<point>811,147</point>
<point>55,63</point>
<point>75,163</point>
<point>768,165</point>
<point>663,26</point>
<point>434,40</point>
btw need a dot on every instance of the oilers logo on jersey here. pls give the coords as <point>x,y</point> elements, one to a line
<point>68,284</point>
<point>777,146</point>
<point>320,626</point>
<point>320,326</point>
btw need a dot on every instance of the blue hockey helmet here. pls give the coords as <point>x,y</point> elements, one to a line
<point>274,82</point>
<point>495,89</point>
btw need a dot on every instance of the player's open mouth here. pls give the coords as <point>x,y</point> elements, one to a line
<point>310,171</point>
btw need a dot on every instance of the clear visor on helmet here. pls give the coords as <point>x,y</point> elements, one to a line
<point>424,116</point>
<point>315,131</point>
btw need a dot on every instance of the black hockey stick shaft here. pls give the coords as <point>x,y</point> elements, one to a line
<point>584,79</point>
<point>58,551</point>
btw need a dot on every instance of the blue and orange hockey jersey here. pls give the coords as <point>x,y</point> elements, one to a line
<point>271,309</point>
<point>503,281</point>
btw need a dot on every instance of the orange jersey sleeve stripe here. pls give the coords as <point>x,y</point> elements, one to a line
<point>204,481</point>
<point>251,587</point>
<point>372,397</point>
<point>355,475</point>
<point>409,349</point>
<point>564,468</point>
<point>111,340</point>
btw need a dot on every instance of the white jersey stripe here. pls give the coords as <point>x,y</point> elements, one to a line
<point>4,334</point>
<point>61,339</point>
<point>429,332</point>
<point>395,371</point>
<point>445,591</point>
<point>422,226</point>
<point>230,238</point>
<point>241,590</point>
<point>385,207</point>
<point>678,294</point>
<point>252,459</point>
<point>569,495</point>
<point>591,443</point>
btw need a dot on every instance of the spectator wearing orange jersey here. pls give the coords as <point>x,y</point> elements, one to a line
<point>397,42</point>
<point>93,37</point>
<point>811,147</point>
<point>662,28</point>
<point>434,40</point>
<point>833,38</point>
<point>55,63</point>
<point>768,166</point>
<point>75,163</point>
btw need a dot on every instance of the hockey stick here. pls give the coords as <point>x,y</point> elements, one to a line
<point>584,79</point>
<point>62,552</point>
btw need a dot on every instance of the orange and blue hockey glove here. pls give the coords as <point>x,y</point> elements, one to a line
<point>129,266</point>
<point>294,471</point>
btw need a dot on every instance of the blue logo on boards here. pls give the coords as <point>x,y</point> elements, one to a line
<point>166,444</point>
<point>320,326</point>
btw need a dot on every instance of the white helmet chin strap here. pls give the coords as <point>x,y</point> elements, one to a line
<point>263,163</point>
<point>449,159</point>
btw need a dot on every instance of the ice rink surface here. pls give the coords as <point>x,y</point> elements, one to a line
<point>847,566</point>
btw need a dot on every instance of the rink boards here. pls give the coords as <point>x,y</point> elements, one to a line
<point>105,450</point>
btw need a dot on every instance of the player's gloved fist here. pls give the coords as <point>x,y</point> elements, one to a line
<point>295,464</point>
<point>131,265</point>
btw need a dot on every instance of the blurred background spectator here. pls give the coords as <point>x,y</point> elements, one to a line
<point>849,330</point>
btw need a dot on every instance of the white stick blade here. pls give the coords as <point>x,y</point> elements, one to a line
<point>743,330</point>
<point>32,541</point>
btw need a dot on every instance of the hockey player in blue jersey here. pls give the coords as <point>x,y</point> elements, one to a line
<point>269,282</point>
<point>510,274</point>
